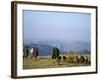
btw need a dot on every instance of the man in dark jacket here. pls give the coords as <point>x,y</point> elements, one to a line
<point>55,53</point>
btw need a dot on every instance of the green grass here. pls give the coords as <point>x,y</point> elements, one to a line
<point>47,62</point>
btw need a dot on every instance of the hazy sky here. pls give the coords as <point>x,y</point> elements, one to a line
<point>43,25</point>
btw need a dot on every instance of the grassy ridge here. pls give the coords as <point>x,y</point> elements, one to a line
<point>47,62</point>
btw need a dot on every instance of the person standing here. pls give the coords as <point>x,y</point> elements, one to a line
<point>53,53</point>
<point>57,52</point>
<point>27,52</point>
<point>36,51</point>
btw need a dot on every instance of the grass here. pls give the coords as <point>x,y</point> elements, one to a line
<point>48,62</point>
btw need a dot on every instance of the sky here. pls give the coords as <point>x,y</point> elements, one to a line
<point>61,26</point>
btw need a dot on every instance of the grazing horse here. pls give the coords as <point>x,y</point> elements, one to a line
<point>81,59</point>
<point>64,58</point>
<point>58,60</point>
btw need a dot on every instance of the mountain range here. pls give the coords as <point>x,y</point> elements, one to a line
<point>45,47</point>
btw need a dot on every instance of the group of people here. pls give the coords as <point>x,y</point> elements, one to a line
<point>55,53</point>
<point>33,52</point>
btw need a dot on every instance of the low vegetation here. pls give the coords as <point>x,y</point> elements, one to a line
<point>66,60</point>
